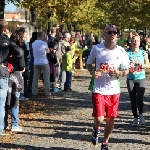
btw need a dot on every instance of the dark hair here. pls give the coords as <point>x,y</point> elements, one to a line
<point>53,29</point>
<point>72,39</point>
<point>142,33</point>
<point>40,34</point>
<point>17,37</point>
<point>22,29</point>
<point>55,45</point>
<point>14,37</point>
<point>68,48</point>
<point>34,37</point>
<point>89,41</point>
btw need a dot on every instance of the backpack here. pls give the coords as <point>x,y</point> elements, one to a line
<point>52,58</point>
<point>63,49</point>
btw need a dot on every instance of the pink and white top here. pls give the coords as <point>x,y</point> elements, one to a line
<point>107,60</point>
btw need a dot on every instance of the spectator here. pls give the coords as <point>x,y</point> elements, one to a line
<point>128,42</point>
<point>18,38</point>
<point>90,43</point>
<point>12,102</point>
<point>59,57</point>
<point>143,41</point>
<point>67,69</point>
<point>121,41</point>
<point>7,49</point>
<point>31,65</point>
<point>21,34</point>
<point>52,36</point>
<point>53,63</point>
<point>96,40</point>
<point>65,42</point>
<point>40,48</point>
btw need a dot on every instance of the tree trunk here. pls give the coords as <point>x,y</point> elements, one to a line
<point>2,6</point>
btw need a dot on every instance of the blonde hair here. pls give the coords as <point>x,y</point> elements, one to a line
<point>135,34</point>
<point>53,30</point>
<point>3,24</point>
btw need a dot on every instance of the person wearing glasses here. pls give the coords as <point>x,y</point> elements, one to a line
<point>111,62</point>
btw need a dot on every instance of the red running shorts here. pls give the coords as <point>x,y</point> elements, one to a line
<point>105,105</point>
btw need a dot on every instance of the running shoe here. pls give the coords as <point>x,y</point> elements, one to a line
<point>94,136</point>
<point>104,146</point>
<point>142,120</point>
<point>135,122</point>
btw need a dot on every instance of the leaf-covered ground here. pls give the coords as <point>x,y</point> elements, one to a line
<point>63,121</point>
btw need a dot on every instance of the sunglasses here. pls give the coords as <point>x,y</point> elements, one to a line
<point>112,32</point>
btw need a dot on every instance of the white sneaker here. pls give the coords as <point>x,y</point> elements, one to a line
<point>48,94</point>
<point>7,128</point>
<point>58,85</point>
<point>142,120</point>
<point>135,122</point>
<point>16,129</point>
<point>22,98</point>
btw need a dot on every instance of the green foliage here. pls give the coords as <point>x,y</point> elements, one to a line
<point>91,15</point>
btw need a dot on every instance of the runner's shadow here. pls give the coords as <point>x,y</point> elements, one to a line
<point>28,147</point>
<point>25,147</point>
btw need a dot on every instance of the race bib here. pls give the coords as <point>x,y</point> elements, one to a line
<point>107,67</point>
<point>135,68</point>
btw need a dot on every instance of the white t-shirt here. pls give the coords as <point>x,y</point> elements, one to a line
<point>108,60</point>
<point>39,52</point>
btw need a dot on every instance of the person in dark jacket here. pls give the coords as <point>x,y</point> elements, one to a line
<point>21,42</point>
<point>14,88</point>
<point>90,44</point>
<point>7,48</point>
<point>17,37</point>
<point>31,65</point>
<point>12,101</point>
<point>53,63</point>
<point>143,41</point>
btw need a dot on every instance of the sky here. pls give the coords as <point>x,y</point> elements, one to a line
<point>10,7</point>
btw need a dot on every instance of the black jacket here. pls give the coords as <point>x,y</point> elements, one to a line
<point>7,49</point>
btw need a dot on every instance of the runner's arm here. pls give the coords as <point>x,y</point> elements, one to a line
<point>146,62</point>
<point>90,68</point>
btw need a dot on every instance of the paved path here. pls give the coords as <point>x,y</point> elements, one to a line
<point>64,122</point>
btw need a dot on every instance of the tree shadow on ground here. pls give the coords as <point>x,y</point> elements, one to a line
<point>65,103</point>
<point>57,103</point>
<point>28,147</point>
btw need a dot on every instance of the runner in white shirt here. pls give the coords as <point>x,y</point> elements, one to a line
<point>111,62</point>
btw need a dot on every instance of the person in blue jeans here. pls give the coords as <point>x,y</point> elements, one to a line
<point>3,94</point>
<point>15,87</point>
<point>7,48</point>
<point>19,38</point>
<point>67,69</point>
<point>12,102</point>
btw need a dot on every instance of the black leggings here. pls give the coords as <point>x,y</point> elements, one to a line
<point>136,89</point>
